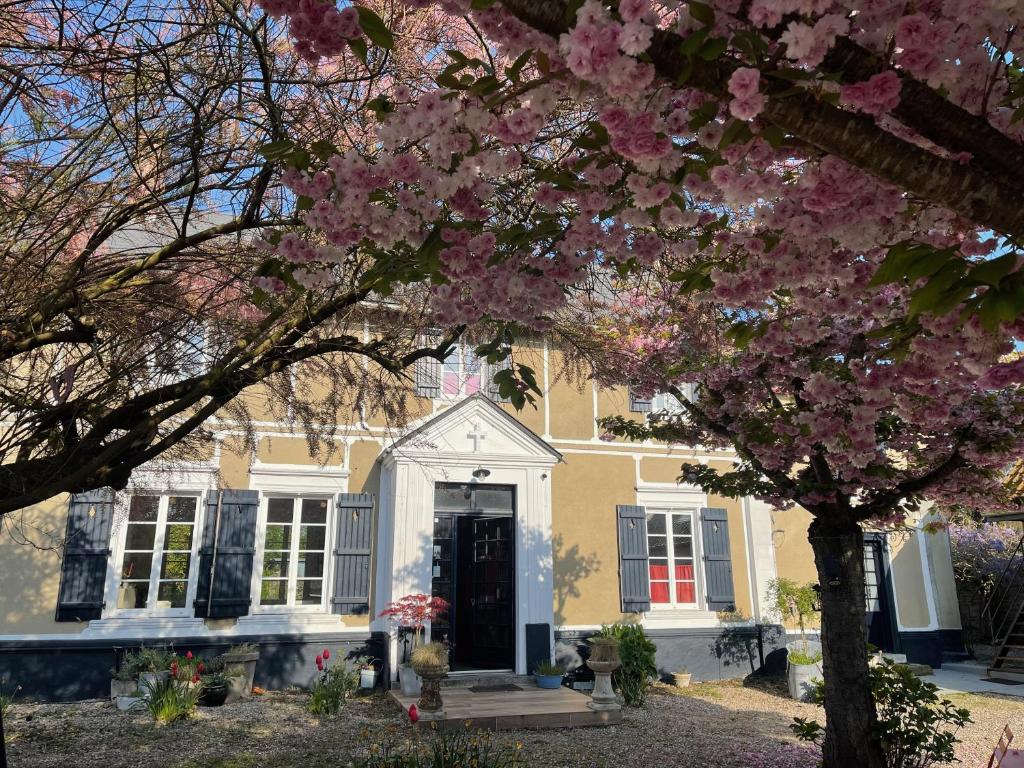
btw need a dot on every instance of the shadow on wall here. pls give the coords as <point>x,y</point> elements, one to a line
<point>569,568</point>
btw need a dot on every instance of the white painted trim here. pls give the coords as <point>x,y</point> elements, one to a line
<point>547,394</point>
<point>596,410</point>
<point>926,576</point>
<point>298,478</point>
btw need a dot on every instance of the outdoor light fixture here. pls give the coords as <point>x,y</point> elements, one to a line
<point>480,473</point>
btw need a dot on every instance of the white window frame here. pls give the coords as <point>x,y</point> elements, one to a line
<point>256,588</point>
<point>461,347</point>
<point>118,551</point>
<point>698,572</point>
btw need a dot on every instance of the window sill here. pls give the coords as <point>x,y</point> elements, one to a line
<point>674,617</point>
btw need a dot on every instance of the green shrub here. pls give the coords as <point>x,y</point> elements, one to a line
<point>134,663</point>
<point>917,727</point>
<point>638,669</point>
<point>798,602</point>
<point>170,700</point>
<point>446,750</point>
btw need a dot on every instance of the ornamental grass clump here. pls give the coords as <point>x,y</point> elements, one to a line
<point>444,750</point>
<point>170,700</point>
<point>334,686</point>
<point>429,656</point>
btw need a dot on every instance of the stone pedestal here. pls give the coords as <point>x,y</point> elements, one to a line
<point>603,697</point>
<point>430,706</point>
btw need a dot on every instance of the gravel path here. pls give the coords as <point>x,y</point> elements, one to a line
<point>721,724</point>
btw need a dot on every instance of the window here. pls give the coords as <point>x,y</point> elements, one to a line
<point>461,372</point>
<point>156,571</point>
<point>670,548</point>
<point>638,403</point>
<point>294,552</point>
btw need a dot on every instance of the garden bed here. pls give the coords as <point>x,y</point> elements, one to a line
<point>720,724</point>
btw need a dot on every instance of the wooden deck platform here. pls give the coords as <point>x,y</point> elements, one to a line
<point>530,707</point>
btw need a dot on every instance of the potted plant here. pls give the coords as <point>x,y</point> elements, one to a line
<point>367,673</point>
<point>124,678</point>
<point>240,667</point>
<point>548,675</point>
<point>798,602</point>
<point>430,662</point>
<point>411,614</point>
<point>154,666</point>
<point>214,689</point>
<point>682,678</point>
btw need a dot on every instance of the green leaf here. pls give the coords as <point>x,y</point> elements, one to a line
<point>692,42</point>
<point>571,8</point>
<point>713,48</point>
<point>380,106</point>
<point>774,135</point>
<point>933,291</point>
<point>276,151</point>
<point>374,27</point>
<point>702,13</point>
<point>990,272</point>
<point>513,72</point>
<point>485,85</point>
<point>358,46</point>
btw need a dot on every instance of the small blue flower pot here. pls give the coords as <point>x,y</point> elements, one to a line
<point>550,682</point>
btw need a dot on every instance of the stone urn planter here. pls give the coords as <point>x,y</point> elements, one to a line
<point>121,688</point>
<point>430,705</point>
<point>240,668</point>
<point>604,659</point>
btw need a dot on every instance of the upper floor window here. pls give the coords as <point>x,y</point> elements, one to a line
<point>157,554</point>
<point>662,402</point>
<point>461,374</point>
<point>293,552</point>
<point>671,552</point>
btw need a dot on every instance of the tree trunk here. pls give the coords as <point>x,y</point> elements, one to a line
<point>850,740</point>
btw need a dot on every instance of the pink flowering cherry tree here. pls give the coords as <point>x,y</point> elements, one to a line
<point>815,205</point>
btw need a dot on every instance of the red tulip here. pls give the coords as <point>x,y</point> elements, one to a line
<point>414,714</point>
<point>189,655</point>
<point>195,678</point>
<point>320,663</point>
<point>201,667</point>
<point>326,654</point>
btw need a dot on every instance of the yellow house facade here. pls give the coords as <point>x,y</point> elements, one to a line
<point>535,530</point>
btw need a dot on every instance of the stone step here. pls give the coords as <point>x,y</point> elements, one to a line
<point>966,667</point>
<point>921,670</point>
<point>899,658</point>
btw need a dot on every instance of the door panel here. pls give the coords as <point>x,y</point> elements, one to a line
<point>473,568</point>
<point>878,614</point>
<point>491,587</point>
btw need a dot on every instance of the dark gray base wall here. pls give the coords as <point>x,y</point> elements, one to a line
<point>929,647</point>
<point>709,654</point>
<point>69,670</point>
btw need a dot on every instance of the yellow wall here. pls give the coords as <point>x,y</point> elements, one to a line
<point>30,575</point>
<point>584,492</point>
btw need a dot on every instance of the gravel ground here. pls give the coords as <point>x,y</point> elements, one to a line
<point>721,724</point>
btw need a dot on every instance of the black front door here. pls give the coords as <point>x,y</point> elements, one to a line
<point>474,570</point>
<point>879,604</point>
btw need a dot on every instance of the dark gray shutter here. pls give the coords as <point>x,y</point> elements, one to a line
<point>634,573</point>
<point>83,571</point>
<point>428,370</point>
<point>714,528</point>
<point>351,593</point>
<point>639,404</point>
<point>489,371</point>
<point>226,555</point>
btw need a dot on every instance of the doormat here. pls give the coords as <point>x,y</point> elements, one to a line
<point>1005,682</point>
<point>502,688</point>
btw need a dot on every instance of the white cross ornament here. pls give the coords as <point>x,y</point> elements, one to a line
<point>477,437</point>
